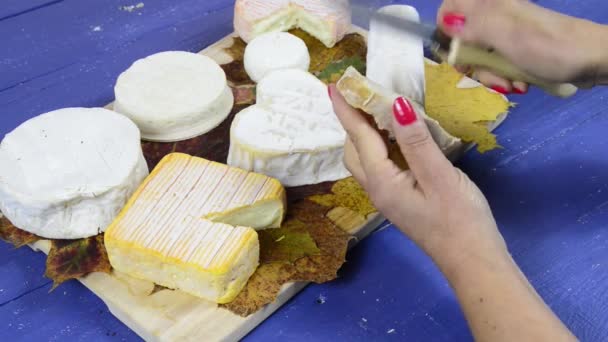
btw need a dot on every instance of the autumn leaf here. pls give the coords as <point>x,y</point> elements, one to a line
<point>244,94</point>
<point>335,70</point>
<point>73,259</point>
<point>286,244</point>
<point>347,193</point>
<point>464,113</point>
<point>14,235</point>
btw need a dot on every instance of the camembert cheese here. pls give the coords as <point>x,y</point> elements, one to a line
<point>192,226</point>
<point>327,20</point>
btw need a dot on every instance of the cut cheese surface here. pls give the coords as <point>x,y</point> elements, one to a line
<point>191,226</point>
<point>377,101</point>
<point>66,174</point>
<point>395,58</point>
<point>328,21</point>
<point>292,133</point>
<point>174,95</point>
<point>275,51</point>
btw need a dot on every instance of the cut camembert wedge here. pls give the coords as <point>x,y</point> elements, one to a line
<point>328,21</point>
<point>192,226</point>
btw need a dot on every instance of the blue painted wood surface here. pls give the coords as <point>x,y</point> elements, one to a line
<point>548,186</point>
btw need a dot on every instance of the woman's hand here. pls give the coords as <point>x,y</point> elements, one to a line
<point>439,208</point>
<point>544,43</point>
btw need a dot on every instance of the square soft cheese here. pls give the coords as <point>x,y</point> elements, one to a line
<point>192,224</point>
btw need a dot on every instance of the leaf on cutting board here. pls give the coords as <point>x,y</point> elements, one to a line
<point>335,70</point>
<point>464,113</point>
<point>277,269</point>
<point>347,193</point>
<point>288,243</point>
<point>73,259</point>
<point>14,235</point>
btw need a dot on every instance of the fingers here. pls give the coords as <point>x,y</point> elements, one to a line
<point>353,164</point>
<point>366,140</point>
<point>500,84</point>
<point>430,167</point>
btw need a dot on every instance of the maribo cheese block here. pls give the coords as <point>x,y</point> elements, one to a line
<point>275,51</point>
<point>326,20</point>
<point>191,226</point>
<point>67,174</point>
<point>174,95</point>
<point>292,133</point>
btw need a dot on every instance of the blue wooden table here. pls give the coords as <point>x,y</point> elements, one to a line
<point>548,186</point>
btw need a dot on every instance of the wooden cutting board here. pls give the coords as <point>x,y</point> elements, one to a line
<point>168,315</point>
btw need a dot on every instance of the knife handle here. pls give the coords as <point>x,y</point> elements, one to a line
<point>464,54</point>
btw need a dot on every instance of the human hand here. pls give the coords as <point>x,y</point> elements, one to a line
<point>433,203</point>
<point>546,44</point>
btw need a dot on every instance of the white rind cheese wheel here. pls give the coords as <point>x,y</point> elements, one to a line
<point>174,95</point>
<point>328,21</point>
<point>292,133</point>
<point>275,51</point>
<point>395,58</point>
<point>66,174</point>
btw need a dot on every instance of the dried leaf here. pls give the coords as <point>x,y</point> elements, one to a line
<point>286,244</point>
<point>347,193</point>
<point>73,259</point>
<point>335,70</point>
<point>244,94</point>
<point>462,112</point>
<point>14,235</point>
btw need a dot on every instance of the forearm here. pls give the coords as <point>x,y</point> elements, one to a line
<point>498,301</point>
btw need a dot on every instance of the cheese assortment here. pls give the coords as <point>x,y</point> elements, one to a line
<point>66,174</point>
<point>292,133</point>
<point>328,21</point>
<point>174,95</point>
<point>191,226</point>
<point>275,51</point>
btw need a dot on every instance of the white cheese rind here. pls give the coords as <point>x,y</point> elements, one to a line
<point>275,51</point>
<point>395,58</point>
<point>292,133</point>
<point>66,174</point>
<point>174,95</point>
<point>328,21</point>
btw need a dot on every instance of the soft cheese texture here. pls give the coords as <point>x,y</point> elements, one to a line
<point>395,57</point>
<point>190,226</point>
<point>67,174</point>
<point>174,95</point>
<point>275,51</point>
<point>377,101</point>
<point>328,21</point>
<point>292,133</point>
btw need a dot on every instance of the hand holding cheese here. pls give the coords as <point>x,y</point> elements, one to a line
<point>66,174</point>
<point>275,51</point>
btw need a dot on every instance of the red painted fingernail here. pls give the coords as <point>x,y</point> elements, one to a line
<point>404,113</point>
<point>519,91</point>
<point>500,90</point>
<point>454,21</point>
<point>329,91</point>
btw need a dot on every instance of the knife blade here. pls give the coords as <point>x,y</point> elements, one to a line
<point>456,52</point>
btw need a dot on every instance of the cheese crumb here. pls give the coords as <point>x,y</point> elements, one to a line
<point>132,8</point>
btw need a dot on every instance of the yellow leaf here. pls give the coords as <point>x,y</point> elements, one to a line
<point>347,193</point>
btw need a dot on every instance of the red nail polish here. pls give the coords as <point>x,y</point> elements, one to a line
<point>404,113</point>
<point>519,91</point>
<point>329,91</point>
<point>454,21</point>
<point>500,90</point>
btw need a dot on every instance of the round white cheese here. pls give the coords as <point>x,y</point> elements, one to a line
<point>292,133</point>
<point>275,51</point>
<point>66,174</point>
<point>174,95</point>
<point>328,21</point>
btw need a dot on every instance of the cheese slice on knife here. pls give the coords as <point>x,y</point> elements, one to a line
<point>174,95</point>
<point>292,133</point>
<point>328,21</point>
<point>66,174</point>
<point>191,226</point>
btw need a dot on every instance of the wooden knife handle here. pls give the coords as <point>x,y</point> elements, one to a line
<point>464,54</point>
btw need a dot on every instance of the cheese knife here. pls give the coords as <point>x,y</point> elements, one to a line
<point>456,52</point>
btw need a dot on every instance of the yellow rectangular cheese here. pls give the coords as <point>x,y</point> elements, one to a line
<point>191,226</point>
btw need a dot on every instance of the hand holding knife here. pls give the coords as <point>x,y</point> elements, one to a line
<point>456,52</point>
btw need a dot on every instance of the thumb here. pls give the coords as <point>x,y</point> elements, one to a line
<point>426,161</point>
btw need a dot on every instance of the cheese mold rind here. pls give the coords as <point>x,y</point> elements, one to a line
<point>174,95</point>
<point>66,174</point>
<point>192,226</point>
<point>292,133</point>
<point>328,21</point>
<point>275,51</point>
